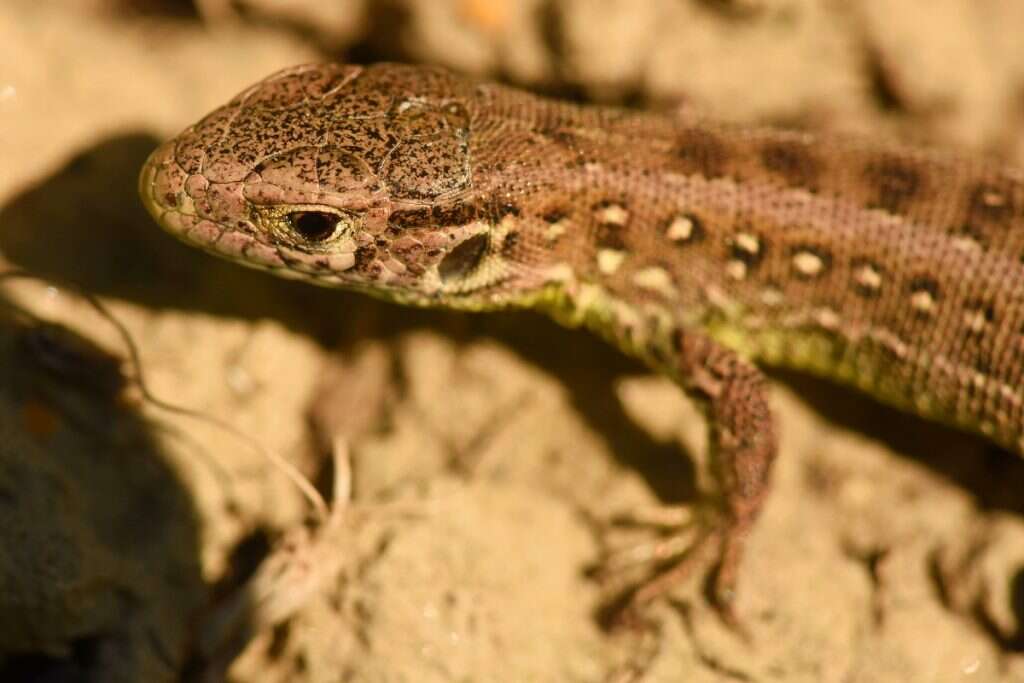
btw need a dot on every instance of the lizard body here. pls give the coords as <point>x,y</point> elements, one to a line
<point>699,247</point>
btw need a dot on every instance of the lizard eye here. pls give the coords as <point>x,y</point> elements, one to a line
<point>314,226</point>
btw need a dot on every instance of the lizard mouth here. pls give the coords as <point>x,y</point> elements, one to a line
<point>163,189</point>
<point>160,161</point>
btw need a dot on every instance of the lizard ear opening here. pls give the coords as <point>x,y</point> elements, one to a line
<point>464,258</point>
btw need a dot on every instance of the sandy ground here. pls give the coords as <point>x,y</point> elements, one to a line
<point>487,453</point>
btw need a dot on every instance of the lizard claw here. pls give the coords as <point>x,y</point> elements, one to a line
<point>696,538</point>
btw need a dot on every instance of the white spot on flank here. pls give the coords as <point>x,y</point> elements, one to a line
<point>609,260</point>
<point>868,277</point>
<point>771,296</point>
<point>922,301</point>
<point>808,263</point>
<point>975,320</point>
<point>827,318</point>
<point>614,214</point>
<point>993,199</point>
<point>680,229</point>
<point>747,242</point>
<point>736,269</point>
<point>655,279</point>
<point>555,230</point>
<point>965,243</point>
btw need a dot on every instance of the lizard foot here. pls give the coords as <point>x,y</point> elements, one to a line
<point>692,539</point>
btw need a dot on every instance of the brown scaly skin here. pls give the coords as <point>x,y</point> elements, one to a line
<point>695,246</point>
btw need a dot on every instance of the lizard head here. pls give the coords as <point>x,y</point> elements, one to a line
<point>345,176</point>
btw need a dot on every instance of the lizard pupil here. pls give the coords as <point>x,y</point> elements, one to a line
<point>315,226</point>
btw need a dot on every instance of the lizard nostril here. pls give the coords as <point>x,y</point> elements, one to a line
<point>315,226</point>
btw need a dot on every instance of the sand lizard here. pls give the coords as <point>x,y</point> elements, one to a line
<point>701,248</point>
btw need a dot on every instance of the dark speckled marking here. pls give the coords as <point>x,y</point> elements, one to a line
<point>508,246</point>
<point>561,137</point>
<point>506,209</point>
<point>461,213</point>
<point>553,216</point>
<point>289,261</point>
<point>442,215</point>
<point>430,168</point>
<point>983,364</point>
<point>364,256</point>
<point>894,182</point>
<point>701,153</point>
<point>926,284</point>
<point>609,236</point>
<point>792,162</point>
<point>411,218</point>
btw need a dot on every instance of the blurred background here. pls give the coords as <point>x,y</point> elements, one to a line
<point>485,451</point>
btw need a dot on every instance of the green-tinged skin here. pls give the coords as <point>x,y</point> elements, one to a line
<point>698,247</point>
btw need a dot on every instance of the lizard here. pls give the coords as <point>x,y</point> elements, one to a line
<point>703,248</point>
